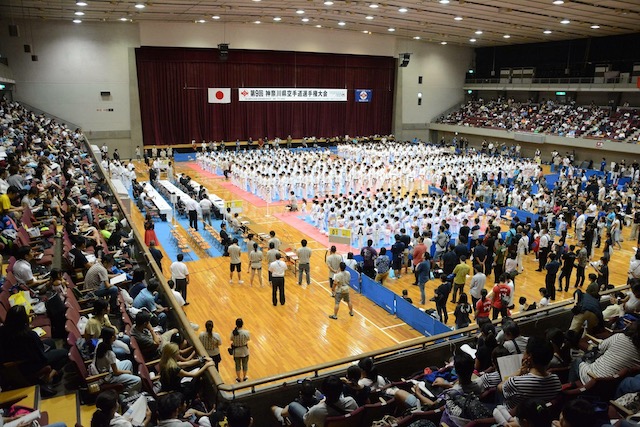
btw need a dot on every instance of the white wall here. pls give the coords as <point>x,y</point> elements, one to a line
<point>75,63</point>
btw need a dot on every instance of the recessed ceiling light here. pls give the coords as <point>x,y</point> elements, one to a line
<point>472,40</point>
<point>140,6</point>
<point>547,32</point>
<point>565,21</point>
<point>416,37</point>
<point>257,0</point>
<point>444,1</point>
<point>277,18</point>
<point>81,3</point>
<point>305,19</point>
<point>77,21</point>
<point>257,22</point>
<point>478,32</point>
<point>403,10</point>
<point>373,6</point>
<point>391,30</point>
<point>595,27</point>
<point>458,18</point>
<point>558,2</point>
<point>215,17</point>
<point>79,13</point>
<point>123,19</point>
<point>300,12</point>
<point>369,17</point>
<point>328,3</point>
<point>318,26</point>
<point>507,36</point>
<point>342,23</point>
<point>443,43</point>
<point>201,21</point>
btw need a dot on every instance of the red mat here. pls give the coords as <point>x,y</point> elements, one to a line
<point>293,220</point>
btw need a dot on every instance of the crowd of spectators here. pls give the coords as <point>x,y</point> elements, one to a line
<point>550,117</point>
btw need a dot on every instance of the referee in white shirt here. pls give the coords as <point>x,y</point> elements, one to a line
<point>277,268</point>
<point>192,211</point>
<point>180,275</point>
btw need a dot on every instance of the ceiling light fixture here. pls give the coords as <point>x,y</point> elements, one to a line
<point>300,12</point>
<point>201,21</point>
<point>318,26</point>
<point>81,3</point>
<point>547,32</point>
<point>558,2</point>
<point>472,40</point>
<point>123,19</point>
<point>328,3</point>
<point>391,30</point>
<point>342,23</point>
<point>140,6</point>
<point>506,36</point>
<point>277,18</point>
<point>595,27</point>
<point>458,18</point>
<point>565,21</point>
<point>215,17</point>
<point>416,37</point>
<point>77,21</point>
<point>305,19</point>
<point>443,43</point>
<point>373,6</point>
<point>257,22</point>
<point>403,10</point>
<point>444,1</point>
<point>478,32</point>
<point>369,17</point>
<point>79,13</point>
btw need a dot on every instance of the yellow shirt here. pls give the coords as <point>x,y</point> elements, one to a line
<point>461,272</point>
<point>5,202</point>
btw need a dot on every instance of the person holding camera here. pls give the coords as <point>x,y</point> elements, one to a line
<point>240,350</point>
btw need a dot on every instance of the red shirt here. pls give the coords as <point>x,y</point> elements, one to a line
<point>418,253</point>
<point>483,308</point>
<point>500,291</point>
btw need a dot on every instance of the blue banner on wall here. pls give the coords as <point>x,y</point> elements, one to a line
<point>363,95</point>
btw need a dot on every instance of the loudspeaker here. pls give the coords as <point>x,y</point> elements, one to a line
<point>27,48</point>
<point>405,57</point>
<point>223,51</point>
<point>34,58</point>
<point>13,30</point>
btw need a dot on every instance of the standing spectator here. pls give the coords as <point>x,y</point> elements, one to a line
<point>211,342</point>
<point>180,275</point>
<point>333,262</point>
<point>441,296</point>
<point>397,253</point>
<point>460,271</point>
<point>340,289</point>
<point>276,242</point>
<point>501,296</point>
<point>255,263</point>
<point>156,254</point>
<point>205,206</point>
<point>382,265</point>
<point>240,349</point>
<point>277,269</point>
<point>543,250</point>
<point>462,312</point>
<point>192,212</point>
<point>423,272</point>
<point>235,261</point>
<point>271,257</point>
<point>582,260</point>
<point>369,255</point>
<point>224,238</point>
<point>478,282</point>
<point>149,230</point>
<point>304,258</point>
<point>552,268</point>
<point>419,252</point>
<point>569,259</point>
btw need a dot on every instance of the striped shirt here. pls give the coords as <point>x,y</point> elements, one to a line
<point>530,386</point>
<point>617,352</point>
<point>489,380</point>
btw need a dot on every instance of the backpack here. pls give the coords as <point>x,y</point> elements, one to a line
<point>461,408</point>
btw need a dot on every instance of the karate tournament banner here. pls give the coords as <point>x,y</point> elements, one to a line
<point>291,94</point>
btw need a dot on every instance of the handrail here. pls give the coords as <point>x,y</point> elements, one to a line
<point>177,310</point>
<point>550,80</point>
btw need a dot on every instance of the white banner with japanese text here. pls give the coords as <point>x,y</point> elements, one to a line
<point>291,94</point>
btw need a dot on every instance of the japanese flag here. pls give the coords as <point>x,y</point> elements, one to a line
<point>219,95</point>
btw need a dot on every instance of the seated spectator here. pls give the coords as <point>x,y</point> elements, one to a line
<point>98,322</point>
<point>491,379</point>
<point>80,261</point>
<point>533,380</point>
<point>615,309</point>
<point>587,309</point>
<point>169,408</point>
<point>529,413</point>
<point>352,388</point>
<point>632,300</point>
<point>106,414</point>
<point>308,397</point>
<point>149,341</point>
<point>137,282</point>
<point>617,352</point>
<point>22,270</point>
<point>486,344</point>
<point>370,375</point>
<point>98,278</point>
<point>463,365</point>
<point>172,372</point>
<point>239,415</point>
<point>577,413</point>
<point>334,404</point>
<point>513,341</point>
<point>105,361</point>
<point>146,298</point>
<point>561,356</point>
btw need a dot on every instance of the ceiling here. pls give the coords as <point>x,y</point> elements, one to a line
<point>524,21</point>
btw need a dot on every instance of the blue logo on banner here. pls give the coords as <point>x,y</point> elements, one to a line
<point>363,95</point>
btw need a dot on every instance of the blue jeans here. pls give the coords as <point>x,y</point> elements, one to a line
<point>132,383</point>
<point>422,294</point>
<point>628,385</point>
<point>296,414</point>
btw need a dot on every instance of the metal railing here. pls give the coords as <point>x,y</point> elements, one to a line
<point>553,80</point>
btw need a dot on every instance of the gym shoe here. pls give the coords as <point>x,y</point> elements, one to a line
<point>240,281</point>
<point>277,412</point>
<point>333,317</point>
<point>351,313</point>
<point>231,281</point>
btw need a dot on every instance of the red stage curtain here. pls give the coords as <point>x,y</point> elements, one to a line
<point>173,84</point>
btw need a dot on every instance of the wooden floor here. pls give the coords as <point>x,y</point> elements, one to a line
<point>300,334</point>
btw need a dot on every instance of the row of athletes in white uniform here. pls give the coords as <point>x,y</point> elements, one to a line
<point>274,174</point>
<point>381,216</point>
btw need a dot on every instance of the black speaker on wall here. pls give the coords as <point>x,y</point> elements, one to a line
<point>27,48</point>
<point>13,30</point>
<point>223,51</point>
<point>404,57</point>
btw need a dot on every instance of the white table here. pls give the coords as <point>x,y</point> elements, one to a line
<point>217,201</point>
<point>162,205</point>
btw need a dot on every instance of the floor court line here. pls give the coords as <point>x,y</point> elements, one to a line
<point>363,316</point>
<point>394,326</point>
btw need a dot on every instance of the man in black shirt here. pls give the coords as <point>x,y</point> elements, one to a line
<point>156,253</point>
<point>463,234</point>
<point>567,268</point>
<point>550,280</point>
<point>480,254</point>
<point>461,248</point>
<point>449,260</point>
<point>441,297</point>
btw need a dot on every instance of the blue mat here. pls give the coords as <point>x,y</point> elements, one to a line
<point>169,244</point>
<point>214,250</point>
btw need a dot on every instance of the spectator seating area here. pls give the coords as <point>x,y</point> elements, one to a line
<point>571,120</point>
